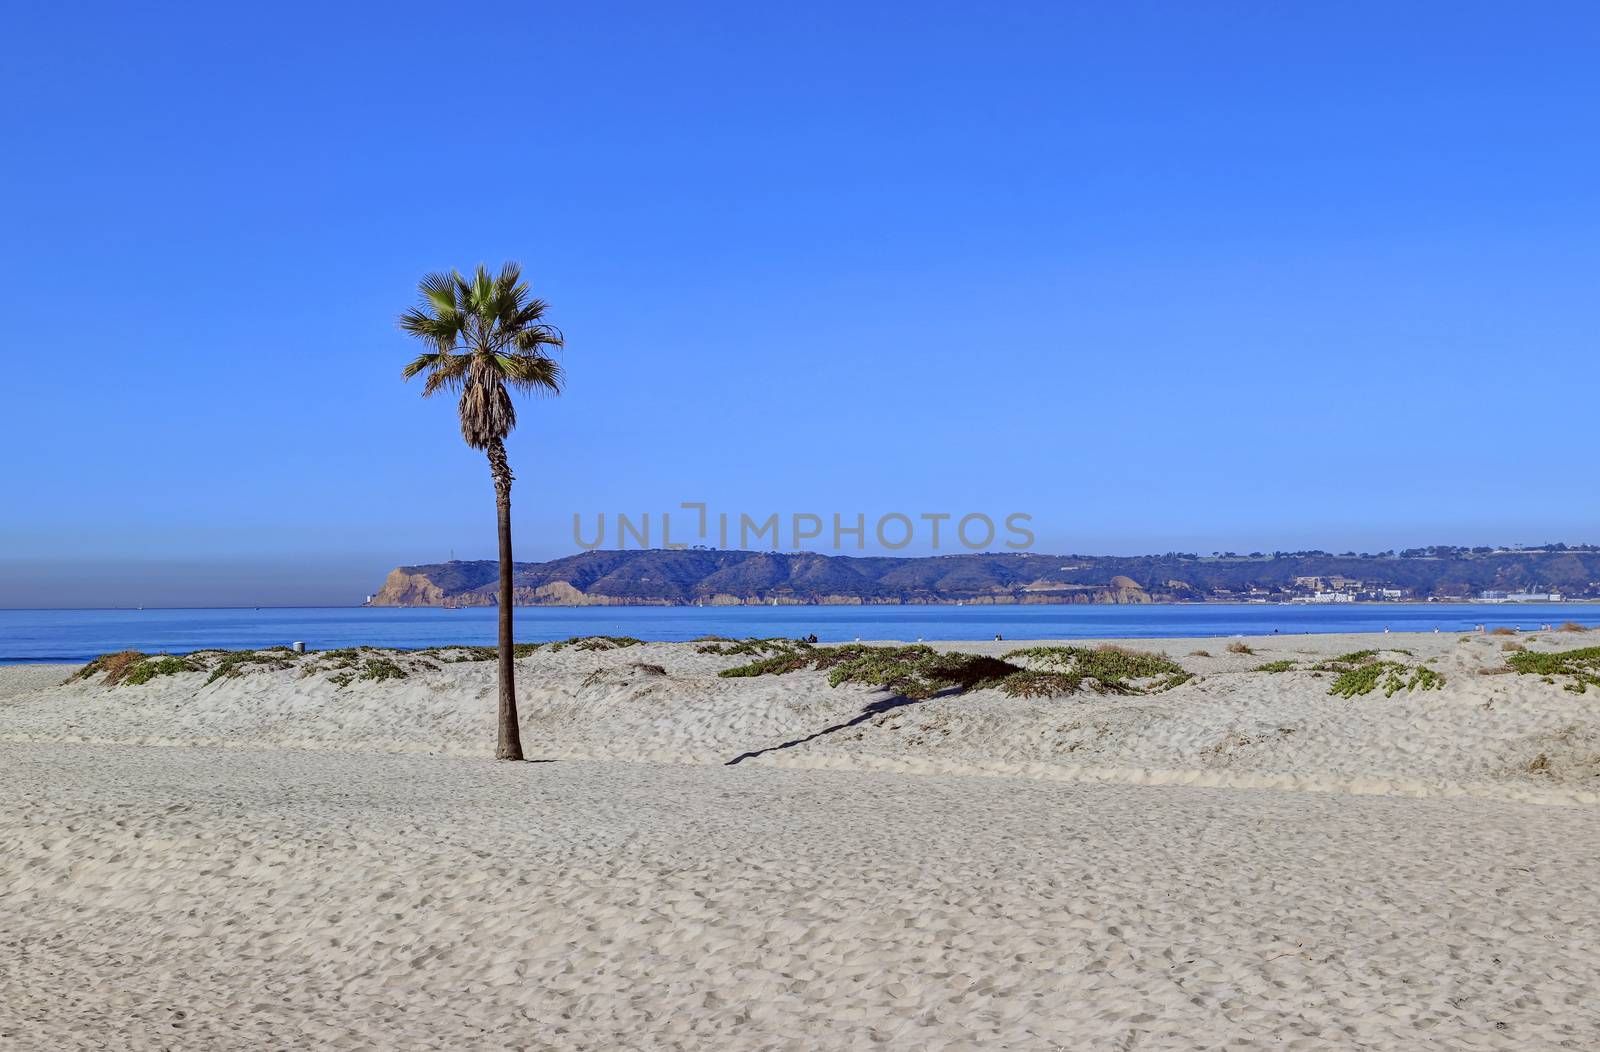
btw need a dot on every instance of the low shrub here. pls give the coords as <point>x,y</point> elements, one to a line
<point>1345,662</point>
<point>148,669</point>
<point>132,668</point>
<point>1276,666</point>
<point>380,669</point>
<point>1581,667</point>
<point>819,658</point>
<point>919,671</point>
<point>1502,631</point>
<point>1031,683</point>
<point>1239,647</point>
<point>596,643</point>
<point>463,654</point>
<point>1390,676</point>
<point>751,647</point>
<point>350,665</point>
<point>1107,670</point>
<point>1357,657</point>
<point>1572,626</point>
<point>235,663</point>
<point>344,657</point>
<point>114,666</point>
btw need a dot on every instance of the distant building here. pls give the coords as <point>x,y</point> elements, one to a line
<point>1325,597</point>
<point>1519,597</point>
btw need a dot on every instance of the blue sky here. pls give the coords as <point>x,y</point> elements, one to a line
<point>1164,276</point>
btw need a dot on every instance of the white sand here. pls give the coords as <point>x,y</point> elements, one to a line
<point>204,898</point>
<point>310,877</point>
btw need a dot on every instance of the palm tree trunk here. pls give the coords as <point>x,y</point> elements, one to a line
<point>510,742</point>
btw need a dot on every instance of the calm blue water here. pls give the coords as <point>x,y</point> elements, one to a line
<point>77,635</point>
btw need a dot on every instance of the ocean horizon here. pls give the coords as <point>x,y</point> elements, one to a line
<point>71,635</point>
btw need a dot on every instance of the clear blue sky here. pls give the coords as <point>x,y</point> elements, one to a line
<point>1165,276</point>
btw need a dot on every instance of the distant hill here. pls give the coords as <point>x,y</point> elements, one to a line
<point>673,577</point>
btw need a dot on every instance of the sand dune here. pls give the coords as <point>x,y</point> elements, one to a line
<point>303,873</point>
<point>1503,736</point>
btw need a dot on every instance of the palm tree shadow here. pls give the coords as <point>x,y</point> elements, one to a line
<point>876,708</point>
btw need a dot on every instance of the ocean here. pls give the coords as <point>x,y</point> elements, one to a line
<point>78,635</point>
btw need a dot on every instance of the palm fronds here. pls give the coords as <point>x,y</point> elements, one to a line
<point>485,332</point>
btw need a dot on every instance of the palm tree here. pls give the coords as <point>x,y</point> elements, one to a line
<point>485,335</point>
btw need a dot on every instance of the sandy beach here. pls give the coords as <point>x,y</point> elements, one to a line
<point>294,856</point>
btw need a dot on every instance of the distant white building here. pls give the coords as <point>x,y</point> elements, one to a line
<point>1325,597</point>
<point>1519,597</point>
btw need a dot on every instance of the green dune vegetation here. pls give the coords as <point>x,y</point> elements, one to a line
<point>1363,671</point>
<point>916,671</point>
<point>1580,667</point>
<point>343,666</point>
<point>919,671</point>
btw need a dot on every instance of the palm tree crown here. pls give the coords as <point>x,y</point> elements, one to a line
<point>484,335</point>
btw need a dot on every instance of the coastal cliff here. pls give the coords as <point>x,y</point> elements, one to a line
<point>662,577</point>
<point>737,578</point>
